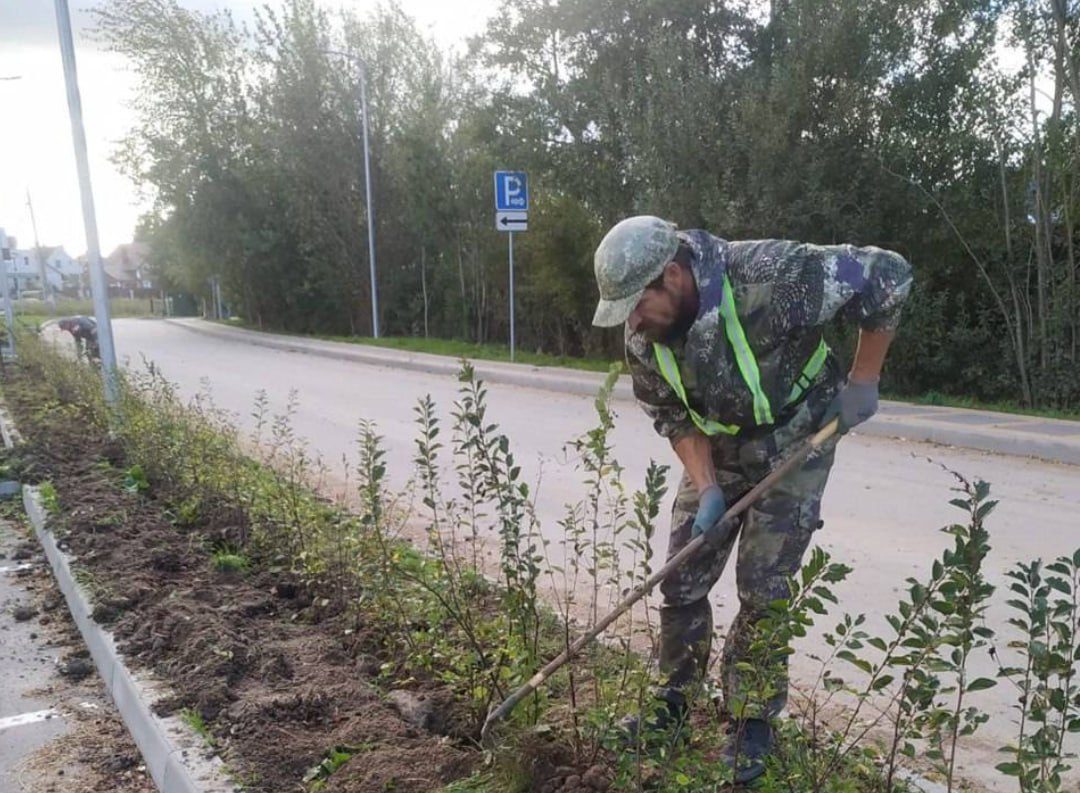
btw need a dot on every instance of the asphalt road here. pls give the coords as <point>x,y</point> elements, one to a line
<point>883,509</point>
<point>28,718</point>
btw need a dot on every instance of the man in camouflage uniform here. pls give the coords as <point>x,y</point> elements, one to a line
<point>84,331</point>
<point>724,343</point>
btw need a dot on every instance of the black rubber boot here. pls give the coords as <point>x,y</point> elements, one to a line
<point>749,743</point>
<point>664,720</point>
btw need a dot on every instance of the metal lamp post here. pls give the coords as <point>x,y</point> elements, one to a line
<point>367,186</point>
<point>82,162</point>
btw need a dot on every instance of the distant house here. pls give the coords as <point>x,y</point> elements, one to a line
<point>127,271</point>
<point>63,272</point>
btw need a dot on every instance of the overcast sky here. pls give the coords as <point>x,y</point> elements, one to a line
<point>36,151</point>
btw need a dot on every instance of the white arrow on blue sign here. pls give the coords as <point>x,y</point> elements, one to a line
<point>512,221</point>
<point>511,191</point>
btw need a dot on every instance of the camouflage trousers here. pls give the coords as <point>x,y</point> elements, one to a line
<point>772,538</point>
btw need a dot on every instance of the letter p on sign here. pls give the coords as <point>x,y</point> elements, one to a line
<point>511,191</point>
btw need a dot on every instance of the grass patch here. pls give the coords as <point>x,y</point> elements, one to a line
<point>193,719</point>
<point>455,348</point>
<point>31,314</point>
<point>49,497</point>
<point>944,400</point>
<point>118,307</point>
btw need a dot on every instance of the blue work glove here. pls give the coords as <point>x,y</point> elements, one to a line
<point>856,402</point>
<point>711,507</point>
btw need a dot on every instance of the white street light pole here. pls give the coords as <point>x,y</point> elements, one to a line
<point>47,293</point>
<point>370,206</point>
<point>9,313</point>
<point>93,249</point>
<point>367,185</point>
<point>6,246</point>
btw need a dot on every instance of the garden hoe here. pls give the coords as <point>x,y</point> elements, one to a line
<point>725,524</point>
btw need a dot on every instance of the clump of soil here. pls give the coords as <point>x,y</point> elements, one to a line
<point>23,613</point>
<point>276,691</point>
<point>78,668</point>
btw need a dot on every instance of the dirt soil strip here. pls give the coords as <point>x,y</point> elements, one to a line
<point>174,755</point>
<point>278,679</point>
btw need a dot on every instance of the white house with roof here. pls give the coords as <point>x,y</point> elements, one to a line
<point>63,272</point>
<point>128,270</point>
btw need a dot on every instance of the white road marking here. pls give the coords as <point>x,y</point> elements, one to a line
<point>27,718</point>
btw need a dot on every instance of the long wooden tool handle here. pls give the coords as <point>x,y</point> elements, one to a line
<point>726,523</point>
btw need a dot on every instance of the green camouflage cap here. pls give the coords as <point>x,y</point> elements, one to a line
<point>631,255</point>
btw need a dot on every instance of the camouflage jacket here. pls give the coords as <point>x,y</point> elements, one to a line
<point>785,292</point>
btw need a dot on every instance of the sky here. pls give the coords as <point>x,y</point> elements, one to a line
<point>36,150</point>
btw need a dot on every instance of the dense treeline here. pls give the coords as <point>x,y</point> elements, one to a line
<point>944,129</point>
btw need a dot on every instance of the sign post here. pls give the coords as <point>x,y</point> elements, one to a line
<point>511,214</point>
<point>6,245</point>
<point>511,236</point>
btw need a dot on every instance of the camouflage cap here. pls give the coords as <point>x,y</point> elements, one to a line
<point>631,255</point>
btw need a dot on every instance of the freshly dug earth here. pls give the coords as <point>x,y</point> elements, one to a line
<point>278,680</point>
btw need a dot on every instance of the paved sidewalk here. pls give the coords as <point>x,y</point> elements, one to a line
<point>1001,433</point>
<point>28,718</point>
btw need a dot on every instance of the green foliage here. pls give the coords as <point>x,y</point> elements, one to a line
<point>135,480</point>
<point>1047,619</point>
<point>50,499</point>
<point>433,614</point>
<point>917,681</point>
<point>605,553</point>
<point>226,561</point>
<point>335,757</point>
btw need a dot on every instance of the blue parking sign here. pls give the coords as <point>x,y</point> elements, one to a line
<point>511,191</point>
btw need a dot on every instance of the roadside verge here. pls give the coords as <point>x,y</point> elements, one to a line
<point>176,758</point>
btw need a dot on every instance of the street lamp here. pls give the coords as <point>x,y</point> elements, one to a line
<point>367,184</point>
<point>82,164</point>
<point>6,254</point>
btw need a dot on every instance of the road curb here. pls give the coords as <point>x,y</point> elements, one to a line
<point>998,441</point>
<point>932,427</point>
<point>175,756</point>
<point>547,378</point>
<point>8,430</point>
